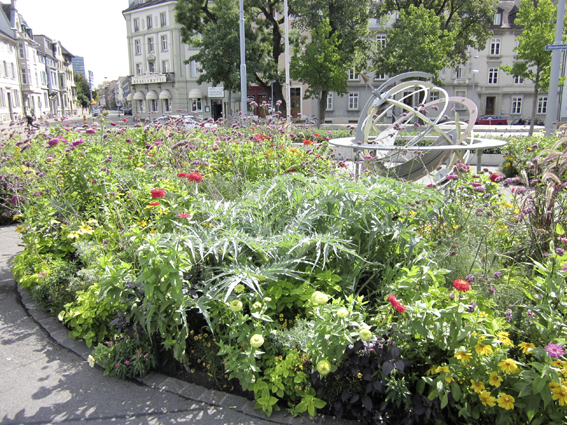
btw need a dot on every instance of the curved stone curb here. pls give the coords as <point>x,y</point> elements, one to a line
<point>60,334</point>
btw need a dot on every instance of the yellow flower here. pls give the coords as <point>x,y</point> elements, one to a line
<point>142,223</point>
<point>506,401</point>
<point>477,386</point>
<point>487,399</point>
<point>526,347</point>
<point>85,228</point>
<point>449,379</point>
<point>324,367</point>
<point>504,338</point>
<point>431,371</point>
<point>495,380</point>
<point>256,340</point>
<point>463,356</point>
<point>508,366</point>
<point>74,235</point>
<point>552,385</point>
<point>560,394</point>
<point>153,232</point>
<point>444,369</point>
<point>482,314</point>
<point>483,349</point>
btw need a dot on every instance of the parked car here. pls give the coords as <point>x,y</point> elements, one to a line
<point>127,111</point>
<point>492,120</point>
<point>96,112</point>
<point>526,121</point>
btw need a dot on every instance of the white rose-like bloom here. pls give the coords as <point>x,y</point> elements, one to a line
<point>256,341</point>
<point>319,298</point>
<point>239,288</point>
<point>365,335</point>
<point>91,361</point>
<point>236,306</point>
<point>342,313</point>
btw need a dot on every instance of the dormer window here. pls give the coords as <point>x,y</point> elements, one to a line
<point>497,19</point>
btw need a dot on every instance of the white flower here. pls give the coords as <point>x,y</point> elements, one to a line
<point>236,306</point>
<point>61,315</point>
<point>91,361</point>
<point>256,340</point>
<point>342,313</point>
<point>365,335</point>
<point>319,298</point>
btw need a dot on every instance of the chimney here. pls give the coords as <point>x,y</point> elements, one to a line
<point>14,4</point>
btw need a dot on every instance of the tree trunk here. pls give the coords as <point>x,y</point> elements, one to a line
<point>322,107</point>
<point>229,112</point>
<point>534,104</point>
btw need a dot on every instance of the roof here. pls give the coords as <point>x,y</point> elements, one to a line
<point>147,4</point>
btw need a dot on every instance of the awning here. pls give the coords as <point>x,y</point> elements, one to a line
<point>195,94</point>
<point>139,96</point>
<point>130,97</point>
<point>152,95</point>
<point>165,94</point>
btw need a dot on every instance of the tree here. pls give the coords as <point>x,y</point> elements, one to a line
<point>339,41</point>
<point>533,62</point>
<point>83,98</point>
<point>405,51</point>
<point>466,21</point>
<point>320,66</point>
<point>217,23</point>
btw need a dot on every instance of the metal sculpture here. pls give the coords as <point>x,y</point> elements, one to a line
<point>415,143</point>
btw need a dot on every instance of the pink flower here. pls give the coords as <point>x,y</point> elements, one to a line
<point>183,175</point>
<point>461,285</point>
<point>90,131</point>
<point>554,350</point>
<point>117,364</point>
<point>113,124</point>
<point>158,193</point>
<point>195,177</point>
<point>127,362</point>
<point>184,215</point>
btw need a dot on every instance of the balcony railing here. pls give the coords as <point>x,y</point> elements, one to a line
<point>153,78</point>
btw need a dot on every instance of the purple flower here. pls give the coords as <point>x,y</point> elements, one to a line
<point>560,251</point>
<point>554,350</point>
<point>508,315</point>
<point>90,131</point>
<point>564,267</point>
<point>497,275</point>
<point>452,176</point>
<point>470,278</point>
<point>53,142</point>
<point>476,184</point>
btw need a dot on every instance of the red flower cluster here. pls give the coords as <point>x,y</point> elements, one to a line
<point>461,285</point>
<point>396,304</point>
<point>195,177</point>
<point>154,204</point>
<point>158,193</point>
<point>307,142</point>
<point>495,176</point>
<point>183,175</point>
<point>184,215</point>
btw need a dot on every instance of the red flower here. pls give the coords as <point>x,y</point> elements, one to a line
<point>184,215</point>
<point>400,308</point>
<point>182,175</point>
<point>461,285</point>
<point>392,298</point>
<point>158,193</point>
<point>495,176</point>
<point>195,177</point>
<point>291,170</point>
<point>396,304</point>
<point>154,204</point>
<point>124,119</point>
<point>307,142</point>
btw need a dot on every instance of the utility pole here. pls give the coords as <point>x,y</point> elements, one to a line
<point>287,84</point>
<point>551,114</point>
<point>243,85</point>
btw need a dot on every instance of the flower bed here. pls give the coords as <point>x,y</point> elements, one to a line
<point>257,262</point>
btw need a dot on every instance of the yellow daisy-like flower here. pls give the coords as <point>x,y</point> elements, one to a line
<point>526,347</point>
<point>463,356</point>
<point>85,228</point>
<point>477,386</point>
<point>506,401</point>
<point>553,385</point>
<point>487,399</point>
<point>508,366</point>
<point>483,349</point>
<point>444,369</point>
<point>495,380</point>
<point>560,394</point>
<point>142,223</point>
<point>432,370</point>
<point>482,314</point>
<point>74,235</point>
<point>504,338</point>
<point>449,379</point>
<point>558,364</point>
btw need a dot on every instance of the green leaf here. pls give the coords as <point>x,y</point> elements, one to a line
<point>539,384</point>
<point>456,390</point>
<point>444,400</point>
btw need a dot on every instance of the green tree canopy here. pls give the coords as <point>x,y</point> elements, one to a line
<point>466,21</point>
<point>83,98</point>
<point>533,62</point>
<point>417,42</point>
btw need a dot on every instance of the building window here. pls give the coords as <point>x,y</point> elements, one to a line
<point>492,75</point>
<point>162,19</point>
<point>24,77</point>
<point>153,104</point>
<point>518,79</point>
<point>151,67</point>
<point>516,105</point>
<point>497,20</point>
<point>166,105</point>
<point>164,67</point>
<point>21,51</point>
<point>5,69</point>
<point>150,45</point>
<point>13,71</point>
<point>164,43</point>
<point>138,68</point>
<point>381,40</point>
<point>136,25</point>
<point>195,69</point>
<point>353,101</point>
<point>196,105</point>
<point>45,99</point>
<point>2,103</point>
<point>459,72</point>
<point>380,76</point>
<point>329,102</point>
<point>542,105</point>
<point>138,47</point>
<point>433,96</point>
<point>495,47</point>
<point>149,22</point>
<point>352,75</point>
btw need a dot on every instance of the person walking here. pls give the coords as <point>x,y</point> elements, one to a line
<point>30,121</point>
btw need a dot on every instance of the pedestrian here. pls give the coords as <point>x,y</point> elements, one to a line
<point>30,121</point>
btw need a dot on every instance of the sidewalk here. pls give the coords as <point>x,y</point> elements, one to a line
<point>46,379</point>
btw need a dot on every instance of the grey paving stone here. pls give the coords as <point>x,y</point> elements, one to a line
<point>212,397</point>
<point>192,391</point>
<point>173,385</point>
<point>154,379</point>
<point>232,401</point>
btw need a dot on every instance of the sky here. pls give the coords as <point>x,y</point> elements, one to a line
<point>94,29</point>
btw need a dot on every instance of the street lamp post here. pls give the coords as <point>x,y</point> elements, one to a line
<point>272,97</point>
<point>474,72</point>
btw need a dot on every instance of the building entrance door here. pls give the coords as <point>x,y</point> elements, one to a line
<point>490,101</point>
<point>216,112</point>
<point>295,94</point>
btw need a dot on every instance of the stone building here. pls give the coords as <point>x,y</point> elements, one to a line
<point>10,94</point>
